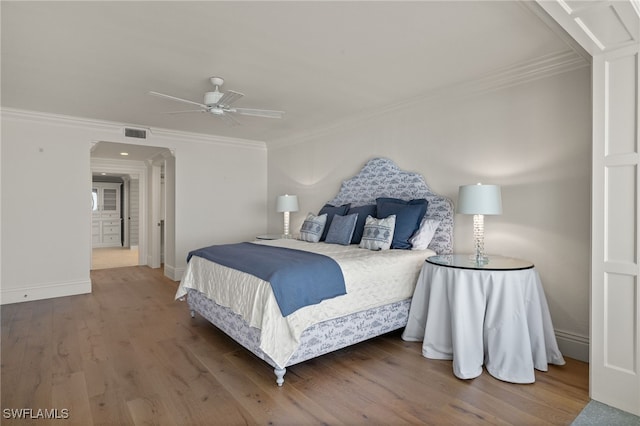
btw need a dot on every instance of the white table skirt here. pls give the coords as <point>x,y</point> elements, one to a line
<point>499,319</point>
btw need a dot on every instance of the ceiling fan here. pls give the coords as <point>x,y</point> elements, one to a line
<point>219,104</point>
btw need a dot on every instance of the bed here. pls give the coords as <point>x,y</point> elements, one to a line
<point>379,284</point>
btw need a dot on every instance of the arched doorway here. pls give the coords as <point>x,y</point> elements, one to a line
<point>145,201</point>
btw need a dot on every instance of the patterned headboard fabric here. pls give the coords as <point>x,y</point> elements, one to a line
<point>381,177</point>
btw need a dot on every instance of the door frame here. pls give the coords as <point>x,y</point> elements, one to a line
<point>134,171</point>
<point>155,213</point>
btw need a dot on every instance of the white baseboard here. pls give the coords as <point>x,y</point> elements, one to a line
<point>573,345</point>
<point>171,272</point>
<point>44,291</point>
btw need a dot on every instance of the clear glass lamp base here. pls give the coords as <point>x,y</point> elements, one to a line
<point>479,260</point>
<point>478,239</point>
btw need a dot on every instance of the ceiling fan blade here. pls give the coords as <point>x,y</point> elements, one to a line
<point>229,119</point>
<point>267,113</point>
<point>229,97</point>
<point>162,95</point>
<point>182,112</point>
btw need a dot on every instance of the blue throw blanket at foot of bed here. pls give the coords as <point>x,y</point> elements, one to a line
<point>298,278</point>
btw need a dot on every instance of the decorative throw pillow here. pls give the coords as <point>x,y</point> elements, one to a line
<point>312,227</point>
<point>408,217</point>
<point>363,212</point>
<point>341,229</point>
<point>423,236</point>
<point>331,211</point>
<point>378,233</point>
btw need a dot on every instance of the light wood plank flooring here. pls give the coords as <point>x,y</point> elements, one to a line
<point>129,354</point>
<point>113,257</point>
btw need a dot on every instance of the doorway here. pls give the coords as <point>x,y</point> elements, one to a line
<point>115,220</point>
<point>113,257</point>
<point>144,200</point>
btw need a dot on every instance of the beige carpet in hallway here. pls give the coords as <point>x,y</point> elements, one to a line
<point>113,257</point>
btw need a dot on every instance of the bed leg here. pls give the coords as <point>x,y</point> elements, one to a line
<point>193,313</point>
<point>279,375</point>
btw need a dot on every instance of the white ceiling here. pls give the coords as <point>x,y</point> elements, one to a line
<point>321,62</point>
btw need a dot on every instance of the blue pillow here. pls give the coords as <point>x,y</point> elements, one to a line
<point>409,214</point>
<point>341,229</point>
<point>332,211</point>
<point>363,212</point>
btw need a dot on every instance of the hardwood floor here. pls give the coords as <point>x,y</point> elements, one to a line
<point>129,354</point>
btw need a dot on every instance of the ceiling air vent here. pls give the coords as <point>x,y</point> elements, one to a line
<point>135,133</point>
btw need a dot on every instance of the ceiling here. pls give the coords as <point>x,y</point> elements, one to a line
<point>320,62</point>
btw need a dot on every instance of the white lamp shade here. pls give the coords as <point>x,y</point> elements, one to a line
<point>479,199</point>
<point>287,203</point>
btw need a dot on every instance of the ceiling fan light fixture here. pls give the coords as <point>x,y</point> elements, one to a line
<point>219,104</point>
<point>212,98</point>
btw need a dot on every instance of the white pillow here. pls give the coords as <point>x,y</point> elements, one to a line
<point>378,233</point>
<point>312,227</point>
<point>421,239</point>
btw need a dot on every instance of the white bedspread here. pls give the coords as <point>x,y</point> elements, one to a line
<point>372,278</point>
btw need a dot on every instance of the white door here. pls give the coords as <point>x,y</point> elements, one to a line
<point>610,32</point>
<point>615,294</point>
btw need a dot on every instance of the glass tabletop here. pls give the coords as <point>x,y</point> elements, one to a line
<point>270,237</point>
<point>489,263</point>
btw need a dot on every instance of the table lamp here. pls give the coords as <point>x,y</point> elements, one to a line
<point>479,200</point>
<point>285,204</point>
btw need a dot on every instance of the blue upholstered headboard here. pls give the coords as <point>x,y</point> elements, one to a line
<point>381,177</point>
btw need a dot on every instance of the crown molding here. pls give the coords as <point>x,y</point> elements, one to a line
<point>115,129</point>
<point>201,137</point>
<point>537,10</point>
<point>528,71</point>
<point>58,119</point>
<point>517,74</point>
<point>598,26</point>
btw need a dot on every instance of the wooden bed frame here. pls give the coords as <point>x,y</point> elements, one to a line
<point>380,177</point>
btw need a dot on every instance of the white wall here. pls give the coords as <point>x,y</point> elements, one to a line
<point>220,187</point>
<point>533,139</point>
<point>45,218</point>
<point>220,195</point>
